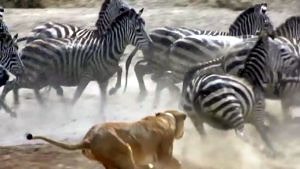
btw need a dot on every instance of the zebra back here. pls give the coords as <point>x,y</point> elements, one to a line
<point>290,29</point>
<point>265,63</point>
<point>251,21</point>
<point>109,11</point>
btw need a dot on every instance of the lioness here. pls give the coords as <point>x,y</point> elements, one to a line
<point>124,145</point>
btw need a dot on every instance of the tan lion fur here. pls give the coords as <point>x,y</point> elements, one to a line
<point>131,145</point>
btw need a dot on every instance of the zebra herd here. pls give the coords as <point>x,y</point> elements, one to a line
<point>226,75</point>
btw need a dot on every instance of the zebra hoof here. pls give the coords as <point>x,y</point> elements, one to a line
<point>142,96</point>
<point>273,154</point>
<point>13,114</point>
<point>113,91</point>
<point>60,92</point>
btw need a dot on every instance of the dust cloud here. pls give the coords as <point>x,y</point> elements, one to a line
<point>220,150</point>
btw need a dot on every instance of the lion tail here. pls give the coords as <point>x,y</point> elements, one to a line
<point>82,145</point>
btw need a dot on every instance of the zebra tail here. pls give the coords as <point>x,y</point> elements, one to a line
<point>128,62</point>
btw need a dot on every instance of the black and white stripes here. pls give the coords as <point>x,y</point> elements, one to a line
<point>249,22</point>
<point>228,102</point>
<point>109,11</point>
<point>76,62</point>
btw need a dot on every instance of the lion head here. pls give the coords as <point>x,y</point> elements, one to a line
<point>179,121</point>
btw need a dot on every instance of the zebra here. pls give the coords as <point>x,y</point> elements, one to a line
<point>248,22</point>
<point>110,9</point>
<point>228,102</point>
<point>9,61</point>
<point>76,62</point>
<point>286,89</point>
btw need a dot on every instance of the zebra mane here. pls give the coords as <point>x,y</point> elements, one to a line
<point>105,5</point>
<point>257,56</point>
<point>131,13</point>
<point>201,69</point>
<point>262,7</point>
<point>290,29</point>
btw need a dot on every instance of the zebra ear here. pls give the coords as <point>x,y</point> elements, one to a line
<point>141,11</point>
<point>15,37</point>
<point>264,8</point>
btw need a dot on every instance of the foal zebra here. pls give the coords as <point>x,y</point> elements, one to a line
<point>76,62</point>
<point>227,102</point>
<point>109,11</point>
<point>248,22</point>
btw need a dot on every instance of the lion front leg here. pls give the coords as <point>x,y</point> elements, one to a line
<point>166,160</point>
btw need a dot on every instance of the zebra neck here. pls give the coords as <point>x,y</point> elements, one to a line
<point>114,42</point>
<point>102,23</point>
<point>256,79</point>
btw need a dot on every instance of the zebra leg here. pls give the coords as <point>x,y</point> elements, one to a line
<point>59,90</point>
<point>7,109</point>
<point>118,84</point>
<point>262,130</point>
<point>81,86</point>
<point>285,104</point>
<point>7,88</point>
<point>198,123</point>
<point>142,68</point>
<point>165,81</point>
<point>103,90</point>
<point>16,96</point>
<point>38,96</point>
<point>258,121</point>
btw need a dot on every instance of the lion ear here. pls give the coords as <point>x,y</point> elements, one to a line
<point>158,114</point>
<point>181,116</point>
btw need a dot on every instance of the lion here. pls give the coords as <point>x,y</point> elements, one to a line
<point>145,143</point>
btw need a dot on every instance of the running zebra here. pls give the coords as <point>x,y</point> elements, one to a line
<point>109,11</point>
<point>248,22</point>
<point>228,102</point>
<point>9,60</point>
<point>76,62</point>
<point>288,86</point>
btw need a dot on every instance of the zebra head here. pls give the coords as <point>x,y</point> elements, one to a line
<point>9,56</point>
<point>251,21</point>
<point>109,11</point>
<point>137,34</point>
